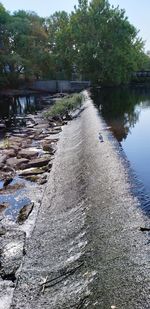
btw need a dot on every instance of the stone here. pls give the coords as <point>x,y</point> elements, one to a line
<point>55,131</point>
<point>17,162</point>
<point>47,147</point>
<point>24,213</point>
<point>42,181</point>
<point>7,181</point>
<point>3,159</point>
<point>2,230</point>
<point>28,154</point>
<point>31,172</point>
<point>11,188</point>
<point>33,178</point>
<point>144,229</point>
<point>2,127</point>
<point>3,207</point>
<point>9,152</point>
<point>40,162</point>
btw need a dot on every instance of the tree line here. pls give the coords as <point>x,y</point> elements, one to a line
<point>95,41</point>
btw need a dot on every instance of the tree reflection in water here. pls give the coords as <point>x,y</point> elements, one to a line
<point>12,107</point>
<point>121,107</point>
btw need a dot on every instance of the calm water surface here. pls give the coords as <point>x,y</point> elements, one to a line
<point>127,112</point>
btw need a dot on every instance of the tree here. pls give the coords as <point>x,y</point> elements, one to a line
<point>107,45</point>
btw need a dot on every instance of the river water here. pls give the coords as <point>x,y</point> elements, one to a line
<point>127,113</point>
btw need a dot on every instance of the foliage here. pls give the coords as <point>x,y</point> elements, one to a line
<point>96,41</point>
<point>65,105</point>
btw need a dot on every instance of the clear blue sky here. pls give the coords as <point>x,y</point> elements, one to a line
<point>138,11</point>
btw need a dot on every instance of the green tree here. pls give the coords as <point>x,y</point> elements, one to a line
<point>107,46</point>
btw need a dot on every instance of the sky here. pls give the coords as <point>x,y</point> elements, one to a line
<point>138,11</point>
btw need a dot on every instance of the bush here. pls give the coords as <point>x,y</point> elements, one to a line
<point>65,105</point>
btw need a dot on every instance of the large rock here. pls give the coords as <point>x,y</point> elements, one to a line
<point>28,154</point>
<point>32,171</point>
<point>3,159</point>
<point>9,152</point>
<point>24,213</point>
<point>48,147</point>
<point>39,162</point>
<point>3,207</point>
<point>12,188</point>
<point>55,131</point>
<point>18,163</point>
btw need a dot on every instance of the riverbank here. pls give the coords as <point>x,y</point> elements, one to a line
<point>87,249</point>
<point>27,152</point>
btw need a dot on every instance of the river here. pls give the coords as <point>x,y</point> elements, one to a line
<point>127,113</point>
<point>87,249</point>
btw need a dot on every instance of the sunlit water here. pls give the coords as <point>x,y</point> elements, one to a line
<point>127,112</point>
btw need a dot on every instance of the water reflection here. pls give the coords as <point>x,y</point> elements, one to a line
<point>11,106</point>
<point>121,108</point>
<point>127,112</point>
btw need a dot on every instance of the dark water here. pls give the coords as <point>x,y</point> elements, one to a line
<point>127,112</point>
<point>13,109</point>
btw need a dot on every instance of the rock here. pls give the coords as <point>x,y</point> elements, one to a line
<point>9,152</point>
<point>16,139</point>
<point>11,188</point>
<point>68,117</point>
<point>144,229</point>
<point>42,181</point>
<point>3,159</point>
<point>47,147</point>
<point>26,143</point>
<point>3,207</point>
<point>55,131</point>
<point>51,140</point>
<point>2,230</point>
<point>7,181</point>
<point>56,118</point>
<point>1,166</point>
<point>24,213</point>
<point>28,154</point>
<point>33,178</point>
<point>40,162</point>
<point>2,127</point>
<point>32,172</point>
<point>17,163</point>
<point>8,169</point>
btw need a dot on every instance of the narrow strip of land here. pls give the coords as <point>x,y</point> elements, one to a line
<point>87,249</point>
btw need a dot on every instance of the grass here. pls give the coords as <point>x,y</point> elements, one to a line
<point>65,105</point>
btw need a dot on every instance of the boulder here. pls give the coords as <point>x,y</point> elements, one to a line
<point>47,147</point>
<point>24,213</point>
<point>11,188</point>
<point>28,154</point>
<point>17,162</point>
<point>42,181</point>
<point>3,159</point>
<point>55,131</point>
<point>33,178</point>
<point>31,172</point>
<point>3,207</point>
<point>9,152</point>
<point>39,162</point>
